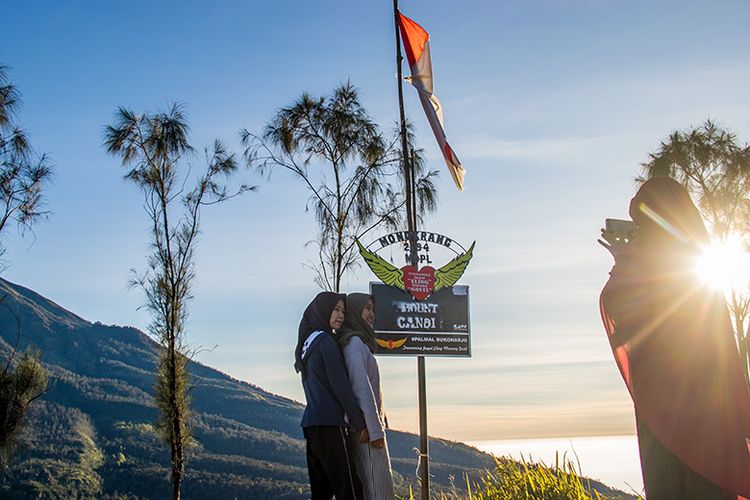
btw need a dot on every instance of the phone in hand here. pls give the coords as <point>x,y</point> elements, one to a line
<point>619,230</point>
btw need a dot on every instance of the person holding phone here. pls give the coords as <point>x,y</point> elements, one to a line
<point>357,340</point>
<point>673,342</point>
<point>331,405</point>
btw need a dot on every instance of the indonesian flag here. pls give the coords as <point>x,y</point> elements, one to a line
<point>417,48</point>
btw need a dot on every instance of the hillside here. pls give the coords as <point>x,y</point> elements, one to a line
<point>93,433</point>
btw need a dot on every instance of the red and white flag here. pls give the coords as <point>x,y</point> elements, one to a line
<point>417,48</point>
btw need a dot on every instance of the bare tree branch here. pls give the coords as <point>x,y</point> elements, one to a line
<point>335,135</point>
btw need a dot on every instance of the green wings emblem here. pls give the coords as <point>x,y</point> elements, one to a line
<point>387,272</point>
<point>450,273</point>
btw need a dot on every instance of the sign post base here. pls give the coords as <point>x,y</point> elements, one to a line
<point>424,447</point>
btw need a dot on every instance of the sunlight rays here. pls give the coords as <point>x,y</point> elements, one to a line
<point>725,265</point>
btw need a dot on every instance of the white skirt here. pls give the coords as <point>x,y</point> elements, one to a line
<point>374,469</point>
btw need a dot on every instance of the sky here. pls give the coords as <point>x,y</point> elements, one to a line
<point>551,106</point>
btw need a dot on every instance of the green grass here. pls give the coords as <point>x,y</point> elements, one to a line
<point>524,480</point>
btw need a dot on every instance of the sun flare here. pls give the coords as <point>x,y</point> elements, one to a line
<point>725,265</point>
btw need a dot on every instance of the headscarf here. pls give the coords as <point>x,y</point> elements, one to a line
<point>317,316</point>
<point>665,214</point>
<point>674,343</point>
<point>354,325</point>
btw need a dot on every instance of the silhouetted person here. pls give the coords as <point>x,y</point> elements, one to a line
<point>674,344</point>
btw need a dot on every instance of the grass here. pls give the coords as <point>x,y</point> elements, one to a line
<point>524,480</point>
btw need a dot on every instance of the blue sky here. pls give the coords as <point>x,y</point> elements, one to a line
<point>551,106</point>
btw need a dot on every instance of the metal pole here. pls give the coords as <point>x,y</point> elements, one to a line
<point>424,447</point>
<point>413,162</point>
<point>404,142</point>
<point>411,218</point>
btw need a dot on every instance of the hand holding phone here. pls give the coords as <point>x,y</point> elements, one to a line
<point>617,233</point>
<point>619,230</point>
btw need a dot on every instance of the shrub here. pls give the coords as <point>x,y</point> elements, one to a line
<point>514,480</point>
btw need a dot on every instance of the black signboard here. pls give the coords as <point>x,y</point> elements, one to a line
<point>435,326</point>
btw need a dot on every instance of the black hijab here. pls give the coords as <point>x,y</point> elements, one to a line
<point>354,325</point>
<point>317,316</point>
<point>666,216</point>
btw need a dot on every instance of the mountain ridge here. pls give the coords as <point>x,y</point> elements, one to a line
<point>93,433</point>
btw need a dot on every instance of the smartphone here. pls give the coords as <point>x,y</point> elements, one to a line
<point>620,229</point>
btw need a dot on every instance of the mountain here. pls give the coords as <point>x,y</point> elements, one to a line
<point>92,434</point>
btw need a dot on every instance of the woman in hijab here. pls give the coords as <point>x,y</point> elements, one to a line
<point>358,343</point>
<point>674,345</point>
<point>331,405</point>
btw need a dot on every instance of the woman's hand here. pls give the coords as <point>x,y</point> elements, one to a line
<point>616,246</point>
<point>378,443</point>
<point>364,436</point>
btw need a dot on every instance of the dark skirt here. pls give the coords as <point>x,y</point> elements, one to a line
<point>330,464</point>
<point>666,477</point>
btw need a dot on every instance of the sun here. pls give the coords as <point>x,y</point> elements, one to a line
<point>725,265</point>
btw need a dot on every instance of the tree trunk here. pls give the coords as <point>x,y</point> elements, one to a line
<point>177,467</point>
<point>177,456</point>
<point>339,256</point>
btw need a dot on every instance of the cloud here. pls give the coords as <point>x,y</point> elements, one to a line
<point>588,418</point>
<point>558,151</point>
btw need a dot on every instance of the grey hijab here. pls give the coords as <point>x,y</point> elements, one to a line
<point>354,325</point>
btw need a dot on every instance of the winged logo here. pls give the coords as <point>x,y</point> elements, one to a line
<point>450,273</point>
<point>391,344</point>
<point>387,272</point>
<point>420,283</point>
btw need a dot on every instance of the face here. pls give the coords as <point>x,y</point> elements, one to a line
<point>368,312</point>
<point>337,316</point>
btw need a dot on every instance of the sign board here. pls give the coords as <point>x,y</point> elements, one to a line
<point>436,326</point>
<point>419,282</point>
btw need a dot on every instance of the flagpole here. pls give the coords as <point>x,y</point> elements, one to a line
<point>411,220</point>
<point>411,226</point>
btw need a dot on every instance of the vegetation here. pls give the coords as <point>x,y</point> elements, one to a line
<point>714,167</point>
<point>65,458</point>
<point>23,173</point>
<point>20,385</point>
<point>153,147</point>
<point>362,188</point>
<point>514,480</point>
